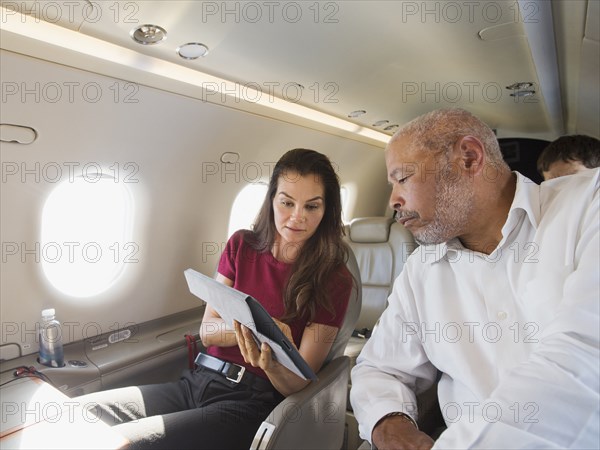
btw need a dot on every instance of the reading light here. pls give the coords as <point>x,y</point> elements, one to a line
<point>391,127</point>
<point>358,112</point>
<point>522,93</point>
<point>148,34</point>
<point>381,123</point>
<point>192,50</point>
<point>112,58</point>
<point>520,86</point>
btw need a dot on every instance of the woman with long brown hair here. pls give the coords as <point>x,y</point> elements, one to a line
<point>293,263</point>
<point>297,241</point>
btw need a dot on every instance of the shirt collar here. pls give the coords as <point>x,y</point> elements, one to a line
<point>526,200</point>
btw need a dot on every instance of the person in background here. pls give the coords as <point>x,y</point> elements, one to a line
<point>500,301</point>
<point>568,155</point>
<point>293,263</point>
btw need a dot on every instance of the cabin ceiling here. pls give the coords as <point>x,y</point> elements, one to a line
<point>393,59</point>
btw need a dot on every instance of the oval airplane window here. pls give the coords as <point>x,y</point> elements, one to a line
<point>344,197</point>
<point>246,206</point>
<point>86,234</point>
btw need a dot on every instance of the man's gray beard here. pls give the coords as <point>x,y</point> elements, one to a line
<point>453,207</point>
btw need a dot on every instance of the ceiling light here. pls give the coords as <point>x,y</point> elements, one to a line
<point>522,93</point>
<point>358,112</point>
<point>192,50</point>
<point>113,59</point>
<point>520,85</point>
<point>148,34</point>
<point>381,123</point>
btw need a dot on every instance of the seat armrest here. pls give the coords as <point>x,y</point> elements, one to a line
<point>317,413</point>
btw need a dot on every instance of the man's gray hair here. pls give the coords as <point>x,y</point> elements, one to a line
<point>437,131</point>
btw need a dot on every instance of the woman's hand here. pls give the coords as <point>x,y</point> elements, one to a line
<point>259,357</point>
<point>316,342</point>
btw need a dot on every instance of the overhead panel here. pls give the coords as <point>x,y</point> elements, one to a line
<point>394,60</point>
<point>588,108</point>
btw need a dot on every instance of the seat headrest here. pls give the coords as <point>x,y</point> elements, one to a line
<point>370,229</point>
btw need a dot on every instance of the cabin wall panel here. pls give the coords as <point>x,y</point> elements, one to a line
<point>181,204</point>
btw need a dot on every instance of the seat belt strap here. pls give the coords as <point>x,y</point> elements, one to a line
<point>192,350</point>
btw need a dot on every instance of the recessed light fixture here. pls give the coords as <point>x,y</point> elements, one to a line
<point>148,34</point>
<point>391,127</point>
<point>358,112</point>
<point>192,50</point>
<point>519,86</point>
<point>522,93</point>
<point>104,54</point>
<point>381,123</point>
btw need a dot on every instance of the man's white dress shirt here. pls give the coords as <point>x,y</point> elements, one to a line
<point>514,333</point>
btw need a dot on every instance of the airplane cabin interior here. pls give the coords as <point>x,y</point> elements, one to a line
<point>137,136</point>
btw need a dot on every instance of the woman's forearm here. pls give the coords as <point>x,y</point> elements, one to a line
<point>214,331</point>
<point>285,381</point>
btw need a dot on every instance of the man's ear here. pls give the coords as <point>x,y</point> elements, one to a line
<point>471,153</point>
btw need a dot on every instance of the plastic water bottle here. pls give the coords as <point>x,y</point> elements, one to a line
<point>51,346</point>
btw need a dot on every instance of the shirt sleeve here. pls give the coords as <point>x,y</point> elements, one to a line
<point>552,399</point>
<point>392,366</point>
<point>228,261</point>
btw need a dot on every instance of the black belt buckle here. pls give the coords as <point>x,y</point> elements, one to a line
<point>235,378</point>
<point>225,368</point>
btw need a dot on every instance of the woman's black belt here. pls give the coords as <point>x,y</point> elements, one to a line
<point>233,372</point>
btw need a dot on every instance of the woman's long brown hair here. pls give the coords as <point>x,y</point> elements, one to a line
<point>323,253</point>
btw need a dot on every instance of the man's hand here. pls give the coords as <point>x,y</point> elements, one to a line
<point>398,433</point>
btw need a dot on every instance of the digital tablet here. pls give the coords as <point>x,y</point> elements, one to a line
<point>232,304</point>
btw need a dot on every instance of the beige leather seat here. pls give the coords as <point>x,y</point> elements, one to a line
<point>314,417</point>
<point>381,247</point>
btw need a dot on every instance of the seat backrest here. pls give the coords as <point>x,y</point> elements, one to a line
<point>352,313</point>
<point>403,244</point>
<point>310,419</point>
<point>313,418</point>
<point>381,246</point>
<point>380,260</point>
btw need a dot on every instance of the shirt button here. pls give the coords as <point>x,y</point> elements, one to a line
<point>501,315</point>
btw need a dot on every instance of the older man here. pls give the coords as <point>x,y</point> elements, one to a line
<point>501,299</point>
